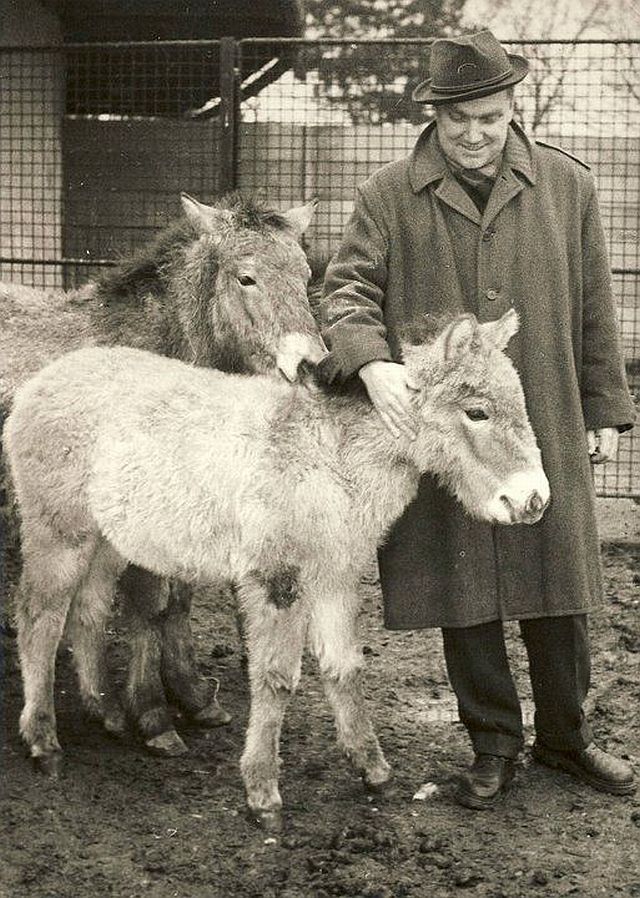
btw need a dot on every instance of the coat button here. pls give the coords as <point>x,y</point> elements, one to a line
<point>488,235</point>
<point>492,294</point>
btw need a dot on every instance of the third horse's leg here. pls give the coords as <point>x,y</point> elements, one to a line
<point>145,598</point>
<point>195,695</point>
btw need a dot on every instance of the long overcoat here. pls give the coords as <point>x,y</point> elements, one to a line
<point>416,243</point>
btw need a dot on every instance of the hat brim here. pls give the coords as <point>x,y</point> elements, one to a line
<point>424,93</point>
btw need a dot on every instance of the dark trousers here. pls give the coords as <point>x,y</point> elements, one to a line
<point>559,667</point>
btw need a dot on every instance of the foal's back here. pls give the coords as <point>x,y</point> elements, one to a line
<point>162,458</point>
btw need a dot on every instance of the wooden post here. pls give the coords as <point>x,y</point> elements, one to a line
<point>229,115</point>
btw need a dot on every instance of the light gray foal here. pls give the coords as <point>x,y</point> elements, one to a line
<point>121,456</point>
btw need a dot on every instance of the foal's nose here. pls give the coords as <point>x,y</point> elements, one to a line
<point>529,512</point>
<point>535,504</point>
<point>534,508</point>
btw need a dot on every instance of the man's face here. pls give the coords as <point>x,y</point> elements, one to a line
<point>473,133</point>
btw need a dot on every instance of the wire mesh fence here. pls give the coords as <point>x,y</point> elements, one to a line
<point>97,141</point>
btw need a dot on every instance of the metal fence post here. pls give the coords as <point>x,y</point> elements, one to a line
<point>229,115</point>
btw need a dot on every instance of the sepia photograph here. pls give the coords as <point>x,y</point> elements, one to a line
<point>320,451</point>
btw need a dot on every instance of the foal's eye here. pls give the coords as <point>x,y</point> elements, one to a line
<point>245,280</point>
<point>476,414</point>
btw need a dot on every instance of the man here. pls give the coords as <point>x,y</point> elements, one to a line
<point>478,218</point>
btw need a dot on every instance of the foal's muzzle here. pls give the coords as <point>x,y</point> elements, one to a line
<point>530,512</point>
<point>522,499</point>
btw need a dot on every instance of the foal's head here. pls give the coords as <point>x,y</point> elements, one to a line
<point>476,434</point>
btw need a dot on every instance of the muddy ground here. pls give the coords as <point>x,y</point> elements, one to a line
<point>122,824</point>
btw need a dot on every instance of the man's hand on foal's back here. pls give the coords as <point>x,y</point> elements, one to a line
<point>390,393</point>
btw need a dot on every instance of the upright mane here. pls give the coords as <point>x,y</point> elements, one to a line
<point>142,271</point>
<point>250,213</point>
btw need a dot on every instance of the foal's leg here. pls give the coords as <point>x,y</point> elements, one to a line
<point>53,570</point>
<point>145,600</point>
<point>196,696</point>
<point>333,641</point>
<point>86,629</point>
<point>275,638</point>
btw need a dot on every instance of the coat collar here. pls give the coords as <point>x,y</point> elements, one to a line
<point>427,163</point>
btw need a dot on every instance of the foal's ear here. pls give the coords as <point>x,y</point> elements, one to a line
<point>460,337</point>
<point>299,218</point>
<point>501,331</point>
<point>205,219</point>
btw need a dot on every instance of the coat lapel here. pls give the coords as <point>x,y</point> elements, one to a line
<point>507,186</point>
<point>449,191</point>
<point>517,158</point>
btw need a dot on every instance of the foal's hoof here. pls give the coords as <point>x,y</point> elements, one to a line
<point>270,822</point>
<point>50,763</point>
<point>166,745</point>
<point>211,716</point>
<point>378,781</point>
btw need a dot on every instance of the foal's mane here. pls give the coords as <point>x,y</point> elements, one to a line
<point>143,271</point>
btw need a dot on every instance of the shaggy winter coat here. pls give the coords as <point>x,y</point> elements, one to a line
<point>416,244</point>
<point>120,455</point>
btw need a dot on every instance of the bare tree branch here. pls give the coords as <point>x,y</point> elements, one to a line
<point>547,82</point>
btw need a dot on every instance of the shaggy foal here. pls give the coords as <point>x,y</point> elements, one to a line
<point>119,455</point>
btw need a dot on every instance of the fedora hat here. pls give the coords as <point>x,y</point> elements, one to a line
<point>467,67</point>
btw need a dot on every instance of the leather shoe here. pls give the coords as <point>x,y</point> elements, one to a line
<point>592,766</point>
<point>485,781</point>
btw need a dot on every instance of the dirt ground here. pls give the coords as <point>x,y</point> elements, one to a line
<point>122,824</point>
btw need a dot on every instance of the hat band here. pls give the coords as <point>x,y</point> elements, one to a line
<point>475,85</point>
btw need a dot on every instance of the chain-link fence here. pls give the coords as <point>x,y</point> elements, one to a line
<point>97,141</point>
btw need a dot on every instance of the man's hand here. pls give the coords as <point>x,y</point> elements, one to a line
<point>602,444</point>
<point>388,390</point>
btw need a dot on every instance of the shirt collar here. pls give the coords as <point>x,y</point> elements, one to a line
<point>428,163</point>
